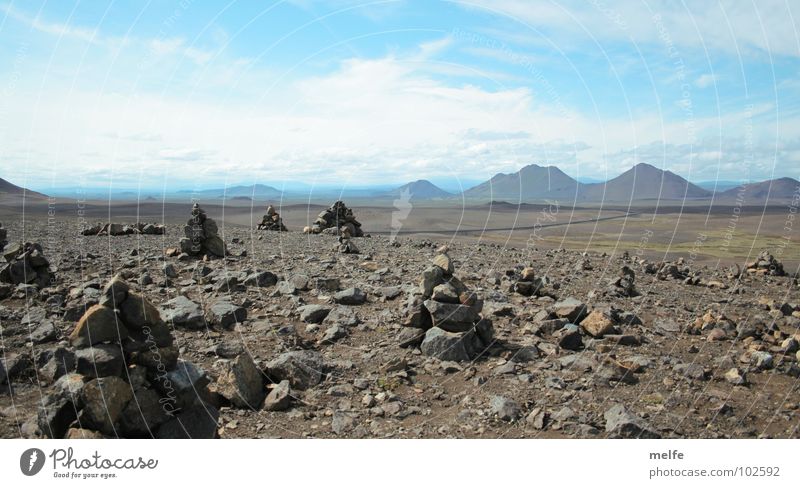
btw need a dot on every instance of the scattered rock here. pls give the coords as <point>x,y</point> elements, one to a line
<point>505,409</point>
<point>621,423</point>
<point>225,314</point>
<point>279,397</point>
<point>240,382</point>
<point>302,369</point>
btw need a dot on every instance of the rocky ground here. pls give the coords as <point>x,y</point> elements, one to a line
<point>584,345</point>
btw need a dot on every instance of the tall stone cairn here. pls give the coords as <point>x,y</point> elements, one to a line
<point>765,264</point>
<point>201,235</point>
<point>272,221</point>
<point>449,313</point>
<point>346,244</point>
<point>334,220</point>
<point>26,264</point>
<point>128,379</point>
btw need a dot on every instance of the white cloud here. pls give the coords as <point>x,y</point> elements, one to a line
<point>705,80</point>
<point>53,28</point>
<point>730,26</point>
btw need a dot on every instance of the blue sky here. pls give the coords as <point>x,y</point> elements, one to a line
<point>190,94</point>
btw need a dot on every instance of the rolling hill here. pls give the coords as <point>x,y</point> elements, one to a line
<point>777,189</point>
<point>532,182</point>
<point>644,182</point>
<point>420,190</point>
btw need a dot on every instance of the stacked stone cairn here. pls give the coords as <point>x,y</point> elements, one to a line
<point>112,229</point>
<point>528,284</point>
<point>128,379</point>
<point>272,221</point>
<point>346,245</point>
<point>26,264</point>
<point>765,264</point>
<point>623,285</point>
<point>201,235</point>
<point>449,315</point>
<point>334,220</point>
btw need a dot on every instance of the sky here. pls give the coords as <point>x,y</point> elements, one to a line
<point>184,94</point>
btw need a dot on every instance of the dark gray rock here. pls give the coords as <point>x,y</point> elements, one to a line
<point>302,369</point>
<point>571,309</point>
<point>184,386</point>
<point>241,382</point>
<point>691,370</point>
<point>198,422</point>
<point>313,314</point>
<point>100,360</point>
<point>569,337</point>
<point>333,334</point>
<point>410,337</point>
<point>143,414</point>
<point>225,314</point>
<point>350,296</point>
<point>285,288</point>
<point>327,284</point>
<point>621,423</point>
<point>182,312</point>
<point>505,409</point>
<point>56,363</point>
<point>342,316</point>
<point>104,399</point>
<point>452,317</point>
<point>451,346</point>
<point>261,279</point>
<point>55,416</point>
<point>46,332</point>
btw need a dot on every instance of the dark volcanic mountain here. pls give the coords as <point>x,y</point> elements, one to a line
<point>420,190</point>
<point>644,182</point>
<point>778,189</point>
<point>533,182</point>
<point>8,188</point>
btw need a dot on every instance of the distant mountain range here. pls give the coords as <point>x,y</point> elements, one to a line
<point>643,182</point>
<point>257,191</point>
<point>532,183</point>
